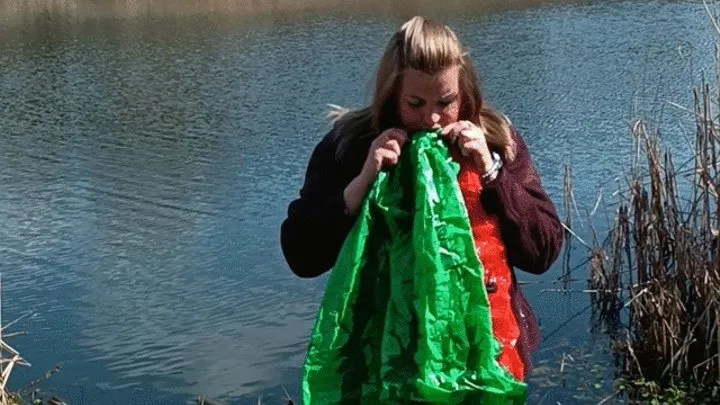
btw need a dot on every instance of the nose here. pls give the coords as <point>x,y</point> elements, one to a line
<point>432,120</point>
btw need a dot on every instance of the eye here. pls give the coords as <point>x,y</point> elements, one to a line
<point>416,103</point>
<point>445,103</point>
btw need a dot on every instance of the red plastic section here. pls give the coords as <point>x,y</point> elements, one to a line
<point>491,252</point>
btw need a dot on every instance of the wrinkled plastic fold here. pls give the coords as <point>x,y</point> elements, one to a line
<point>405,315</point>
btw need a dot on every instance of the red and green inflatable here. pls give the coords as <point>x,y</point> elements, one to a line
<point>406,316</point>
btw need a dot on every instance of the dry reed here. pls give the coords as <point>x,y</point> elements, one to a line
<point>659,265</point>
<point>9,358</point>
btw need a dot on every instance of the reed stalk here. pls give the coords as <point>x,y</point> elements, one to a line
<point>659,264</point>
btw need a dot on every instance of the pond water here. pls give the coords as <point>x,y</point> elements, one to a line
<point>146,165</point>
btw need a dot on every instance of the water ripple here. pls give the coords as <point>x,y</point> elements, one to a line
<point>146,166</point>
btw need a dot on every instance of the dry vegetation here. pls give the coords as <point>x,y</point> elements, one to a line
<point>656,278</point>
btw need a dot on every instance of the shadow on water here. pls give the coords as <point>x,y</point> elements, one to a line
<point>146,164</point>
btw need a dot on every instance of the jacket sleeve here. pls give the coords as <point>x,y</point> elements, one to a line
<point>529,223</point>
<point>317,223</point>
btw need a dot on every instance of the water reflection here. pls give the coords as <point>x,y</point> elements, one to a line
<point>274,11</point>
<point>146,166</point>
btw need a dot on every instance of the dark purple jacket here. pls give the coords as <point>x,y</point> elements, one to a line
<point>317,225</point>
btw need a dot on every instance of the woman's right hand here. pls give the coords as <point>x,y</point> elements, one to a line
<point>384,153</point>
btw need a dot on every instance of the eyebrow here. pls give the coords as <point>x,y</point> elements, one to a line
<point>446,95</point>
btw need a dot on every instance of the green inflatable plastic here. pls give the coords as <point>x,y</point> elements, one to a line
<point>405,315</point>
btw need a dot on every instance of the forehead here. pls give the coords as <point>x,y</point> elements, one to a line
<point>420,84</point>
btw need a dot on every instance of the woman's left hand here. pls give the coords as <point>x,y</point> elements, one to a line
<point>471,142</point>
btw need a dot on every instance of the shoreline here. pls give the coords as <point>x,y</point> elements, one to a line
<point>21,11</point>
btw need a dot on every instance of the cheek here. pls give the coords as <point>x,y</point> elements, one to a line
<point>408,116</point>
<point>450,115</point>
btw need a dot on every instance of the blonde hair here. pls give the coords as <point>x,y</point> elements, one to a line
<point>430,47</point>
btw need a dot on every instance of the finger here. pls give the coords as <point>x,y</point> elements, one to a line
<point>393,159</point>
<point>477,128</point>
<point>465,146</point>
<point>471,144</point>
<point>377,142</point>
<point>470,134</point>
<point>474,147</point>
<point>448,129</point>
<point>388,153</point>
<point>452,134</point>
<point>398,135</point>
<point>393,145</point>
<point>389,158</point>
<point>401,136</point>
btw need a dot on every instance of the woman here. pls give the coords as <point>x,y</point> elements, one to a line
<point>426,81</point>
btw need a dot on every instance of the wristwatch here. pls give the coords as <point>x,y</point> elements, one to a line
<point>494,170</point>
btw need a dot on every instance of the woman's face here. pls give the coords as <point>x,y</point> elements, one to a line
<point>429,102</point>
